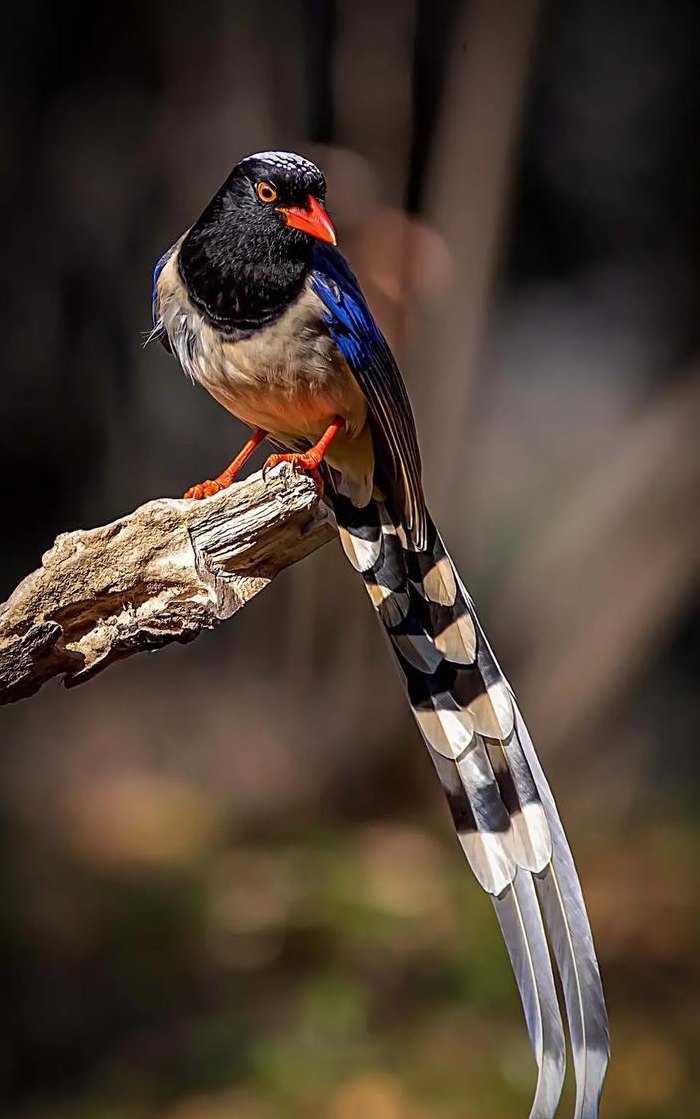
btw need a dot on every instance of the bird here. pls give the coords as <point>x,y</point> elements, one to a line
<point>259,306</point>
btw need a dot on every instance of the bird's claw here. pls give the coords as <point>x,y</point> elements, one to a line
<point>307,462</point>
<point>203,489</point>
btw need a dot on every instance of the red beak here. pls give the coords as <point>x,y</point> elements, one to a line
<point>314,221</point>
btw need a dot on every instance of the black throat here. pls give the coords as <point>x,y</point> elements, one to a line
<point>235,278</point>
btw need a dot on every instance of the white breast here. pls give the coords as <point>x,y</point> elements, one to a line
<point>288,378</point>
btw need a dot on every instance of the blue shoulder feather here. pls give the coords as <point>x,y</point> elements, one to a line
<point>362,344</point>
<point>158,331</point>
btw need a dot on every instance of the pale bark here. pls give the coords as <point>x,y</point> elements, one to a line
<point>163,573</point>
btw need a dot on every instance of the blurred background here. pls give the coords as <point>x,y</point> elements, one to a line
<point>231,889</point>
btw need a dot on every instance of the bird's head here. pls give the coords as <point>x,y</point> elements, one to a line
<point>283,194</point>
<point>254,241</point>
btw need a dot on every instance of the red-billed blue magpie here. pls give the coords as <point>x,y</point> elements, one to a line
<point>262,309</point>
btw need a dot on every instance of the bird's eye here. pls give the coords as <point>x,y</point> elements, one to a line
<point>266,192</point>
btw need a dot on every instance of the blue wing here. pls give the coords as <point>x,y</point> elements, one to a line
<point>362,344</point>
<point>158,331</point>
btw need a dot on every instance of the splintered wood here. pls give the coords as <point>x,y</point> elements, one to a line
<point>163,573</point>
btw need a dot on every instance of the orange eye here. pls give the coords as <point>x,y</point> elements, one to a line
<point>266,192</point>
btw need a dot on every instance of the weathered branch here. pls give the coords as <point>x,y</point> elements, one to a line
<point>163,573</point>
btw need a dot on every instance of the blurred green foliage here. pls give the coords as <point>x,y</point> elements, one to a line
<point>353,971</point>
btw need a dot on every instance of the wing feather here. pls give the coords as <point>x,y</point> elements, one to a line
<point>158,330</point>
<point>371,362</point>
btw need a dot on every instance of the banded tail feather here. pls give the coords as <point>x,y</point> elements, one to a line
<point>501,804</point>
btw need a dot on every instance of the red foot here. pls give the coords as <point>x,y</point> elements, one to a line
<point>203,489</point>
<point>208,489</point>
<point>308,463</point>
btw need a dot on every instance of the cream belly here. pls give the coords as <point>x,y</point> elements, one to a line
<point>288,379</point>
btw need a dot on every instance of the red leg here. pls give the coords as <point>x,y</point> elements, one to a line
<point>206,489</point>
<point>309,461</point>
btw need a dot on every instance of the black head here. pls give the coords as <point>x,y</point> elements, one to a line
<point>247,256</point>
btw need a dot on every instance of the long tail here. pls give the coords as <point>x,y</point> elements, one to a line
<point>504,812</point>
